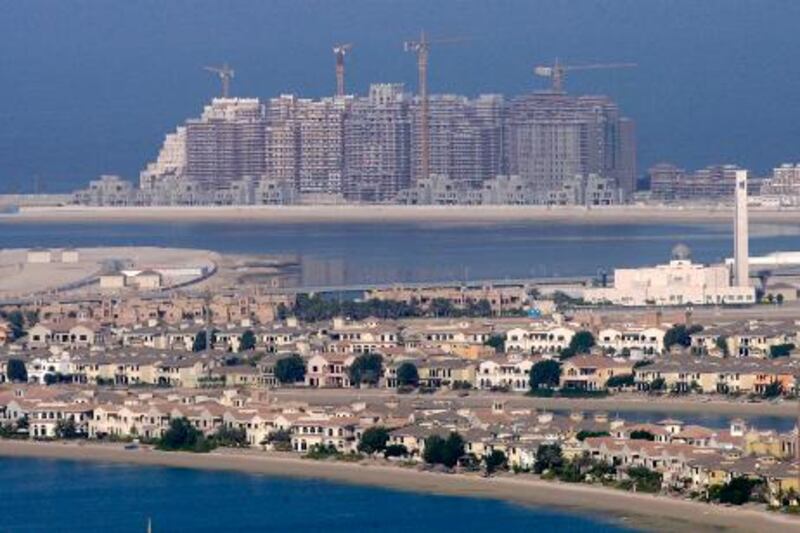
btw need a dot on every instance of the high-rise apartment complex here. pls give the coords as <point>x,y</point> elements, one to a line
<point>377,161</point>
<point>466,142</point>
<point>367,149</point>
<point>717,182</point>
<point>305,142</point>
<point>554,137</point>
<point>226,143</point>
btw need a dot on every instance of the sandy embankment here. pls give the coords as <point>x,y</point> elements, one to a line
<point>646,511</point>
<point>396,213</point>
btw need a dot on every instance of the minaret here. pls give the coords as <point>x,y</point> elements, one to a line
<point>741,269</point>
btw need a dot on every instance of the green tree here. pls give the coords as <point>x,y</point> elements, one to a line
<point>644,479</point>
<point>581,342</point>
<point>481,308</point>
<point>642,434</point>
<point>658,384</point>
<point>680,335</point>
<point>442,307</point>
<point>200,341</point>
<point>441,451</point>
<point>281,440</point>
<point>291,369</point>
<point>407,375</point>
<point>373,440</point>
<point>229,437</point>
<point>17,322</point>
<point>16,371</point>
<point>586,434</point>
<point>545,374</point>
<point>497,342</point>
<point>737,491</point>
<point>781,350</point>
<point>619,381</point>
<point>494,461</point>
<point>548,457</point>
<point>773,390</point>
<point>183,436</point>
<point>395,450</point>
<point>248,341</point>
<point>722,343</point>
<point>366,369</point>
<point>779,299</point>
<point>66,429</point>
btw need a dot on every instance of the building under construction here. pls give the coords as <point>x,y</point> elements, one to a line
<point>226,143</point>
<point>368,148</point>
<point>305,142</point>
<point>466,140</point>
<point>554,137</point>
<point>377,154</point>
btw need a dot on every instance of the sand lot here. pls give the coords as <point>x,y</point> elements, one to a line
<point>21,278</point>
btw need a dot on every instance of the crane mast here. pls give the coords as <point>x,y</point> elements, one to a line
<point>340,50</point>
<point>422,47</point>
<point>225,74</point>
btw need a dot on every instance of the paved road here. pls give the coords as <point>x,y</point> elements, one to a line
<point>620,403</point>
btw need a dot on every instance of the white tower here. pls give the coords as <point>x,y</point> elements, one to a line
<point>741,269</point>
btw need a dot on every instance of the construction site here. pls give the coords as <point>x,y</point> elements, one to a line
<point>382,146</point>
<point>35,273</point>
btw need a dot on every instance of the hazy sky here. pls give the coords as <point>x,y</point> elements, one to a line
<point>92,86</point>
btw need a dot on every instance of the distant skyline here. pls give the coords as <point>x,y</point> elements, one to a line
<point>92,87</point>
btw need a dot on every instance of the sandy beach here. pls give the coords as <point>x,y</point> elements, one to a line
<point>629,214</point>
<point>639,510</point>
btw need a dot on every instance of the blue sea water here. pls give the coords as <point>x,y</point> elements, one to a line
<point>66,496</point>
<point>352,253</point>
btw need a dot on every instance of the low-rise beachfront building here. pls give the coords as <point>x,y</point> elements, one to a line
<point>67,334</point>
<point>511,373</point>
<point>336,432</point>
<point>152,337</point>
<point>5,332</point>
<point>499,299</point>
<point>281,338</point>
<point>539,338</point>
<point>49,420</point>
<point>745,339</point>
<point>369,336</point>
<point>49,368</point>
<point>329,371</point>
<point>446,372</point>
<point>145,367</point>
<point>463,339</point>
<point>144,420</point>
<point>631,339</point>
<point>238,376</point>
<point>592,372</point>
<point>711,375</point>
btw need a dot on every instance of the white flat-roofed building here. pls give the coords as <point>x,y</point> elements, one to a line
<point>70,255</point>
<point>112,281</point>
<point>39,256</point>
<point>680,282</point>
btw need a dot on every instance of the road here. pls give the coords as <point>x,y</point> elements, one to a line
<point>617,403</point>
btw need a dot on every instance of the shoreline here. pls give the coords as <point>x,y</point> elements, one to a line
<point>355,213</point>
<point>638,510</point>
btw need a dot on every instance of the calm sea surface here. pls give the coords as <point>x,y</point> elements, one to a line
<point>346,253</point>
<point>54,495</point>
